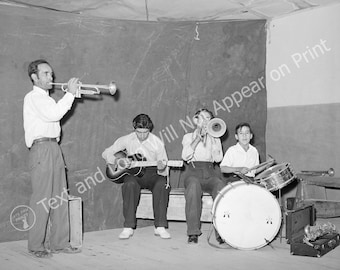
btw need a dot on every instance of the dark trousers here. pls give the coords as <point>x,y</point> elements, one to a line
<point>131,195</point>
<point>48,179</point>
<point>199,177</point>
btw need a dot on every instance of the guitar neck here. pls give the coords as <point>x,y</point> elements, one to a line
<point>170,163</point>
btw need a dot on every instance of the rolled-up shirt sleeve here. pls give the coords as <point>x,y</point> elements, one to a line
<point>109,153</point>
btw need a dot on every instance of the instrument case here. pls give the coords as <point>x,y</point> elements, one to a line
<point>296,222</point>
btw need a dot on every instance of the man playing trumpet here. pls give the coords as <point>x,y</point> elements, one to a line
<point>42,115</point>
<point>201,152</point>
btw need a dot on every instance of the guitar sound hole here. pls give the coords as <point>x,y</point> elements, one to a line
<point>122,163</point>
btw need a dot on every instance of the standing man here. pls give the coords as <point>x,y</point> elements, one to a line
<point>144,144</point>
<point>49,200</point>
<point>201,152</point>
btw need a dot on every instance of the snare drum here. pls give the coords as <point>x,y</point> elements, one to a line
<point>276,177</point>
<point>246,216</point>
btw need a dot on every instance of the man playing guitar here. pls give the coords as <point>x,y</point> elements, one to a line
<point>142,143</point>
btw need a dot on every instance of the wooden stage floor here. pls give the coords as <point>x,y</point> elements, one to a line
<point>103,250</point>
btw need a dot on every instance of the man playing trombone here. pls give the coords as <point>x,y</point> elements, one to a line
<point>201,152</point>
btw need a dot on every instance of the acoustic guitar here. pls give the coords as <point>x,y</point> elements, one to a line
<point>117,171</point>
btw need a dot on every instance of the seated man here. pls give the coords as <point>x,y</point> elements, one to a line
<point>143,143</point>
<point>200,151</point>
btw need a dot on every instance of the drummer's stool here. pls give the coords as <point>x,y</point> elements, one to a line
<point>176,207</point>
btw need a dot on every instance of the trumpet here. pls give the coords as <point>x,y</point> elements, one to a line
<point>216,127</point>
<point>111,87</point>
<point>329,172</point>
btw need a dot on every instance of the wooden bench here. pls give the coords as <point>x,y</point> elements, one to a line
<point>176,208</point>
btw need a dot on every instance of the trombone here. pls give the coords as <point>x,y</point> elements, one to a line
<point>112,87</point>
<point>216,127</point>
<point>329,172</point>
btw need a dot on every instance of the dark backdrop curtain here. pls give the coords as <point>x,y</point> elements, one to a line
<point>165,69</point>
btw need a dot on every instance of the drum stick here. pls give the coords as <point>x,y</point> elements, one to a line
<point>271,157</point>
<point>244,177</point>
<point>260,165</point>
<point>247,179</point>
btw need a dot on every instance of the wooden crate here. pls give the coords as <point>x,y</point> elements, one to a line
<point>76,221</point>
<point>322,192</point>
<point>176,208</point>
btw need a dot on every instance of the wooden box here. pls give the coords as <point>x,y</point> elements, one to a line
<point>321,191</point>
<point>76,221</point>
<point>296,223</point>
<point>176,207</point>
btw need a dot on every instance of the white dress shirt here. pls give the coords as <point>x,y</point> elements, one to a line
<point>236,156</point>
<point>42,114</point>
<point>209,150</point>
<point>152,149</point>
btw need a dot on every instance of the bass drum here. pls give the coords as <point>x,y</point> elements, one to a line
<point>246,216</point>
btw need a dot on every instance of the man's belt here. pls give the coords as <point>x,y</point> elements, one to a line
<point>201,164</point>
<point>44,139</point>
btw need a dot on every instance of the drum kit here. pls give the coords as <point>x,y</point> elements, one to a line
<point>246,214</point>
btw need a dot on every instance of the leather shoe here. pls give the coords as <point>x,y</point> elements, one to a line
<point>193,239</point>
<point>67,250</point>
<point>41,254</point>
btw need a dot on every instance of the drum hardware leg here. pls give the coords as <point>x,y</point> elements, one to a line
<point>268,243</point>
<point>283,210</point>
<point>210,231</point>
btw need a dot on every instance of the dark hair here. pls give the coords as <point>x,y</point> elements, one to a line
<point>33,67</point>
<point>142,121</point>
<point>204,110</point>
<point>241,125</point>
